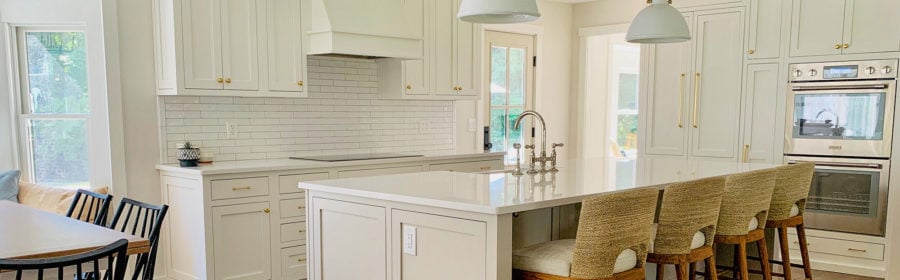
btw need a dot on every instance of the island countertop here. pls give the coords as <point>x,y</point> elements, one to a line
<point>503,193</point>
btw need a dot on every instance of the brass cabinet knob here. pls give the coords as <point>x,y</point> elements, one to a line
<point>219,80</point>
<point>300,83</point>
<point>227,80</point>
<point>837,47</point>
<point>846,46</point>
<point>408,86</point>
<point>267,210</point>
<point>751,52</point>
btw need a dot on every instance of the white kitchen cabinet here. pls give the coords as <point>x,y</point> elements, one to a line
<point>832,27</point>
<point>241,241</point>
<point>666,93</point>
<point>467,55</point>
<point>760,117</point>
<point>245,48</point>
<point>446,248</point>
<point>293,263</point>
<point>286,59</point>
<point>338,225</point>
<point>764,34</point>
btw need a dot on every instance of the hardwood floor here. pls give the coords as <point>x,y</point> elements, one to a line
<point>824,275</point>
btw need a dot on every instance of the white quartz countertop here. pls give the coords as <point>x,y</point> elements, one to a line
<point>228,167</point>
<point>501,192</point>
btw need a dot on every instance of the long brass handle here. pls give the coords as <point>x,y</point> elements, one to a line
<point>301,260</point>
<point>746,154</point>
<point>856,250</point>
<point>696,99</point>
<point>798,242</point>
<point>246,188</point>
<point>681,101</point>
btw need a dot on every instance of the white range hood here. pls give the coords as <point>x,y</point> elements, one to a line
<point>367,28</point>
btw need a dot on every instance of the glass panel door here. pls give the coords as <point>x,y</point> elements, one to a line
<point>852,116</point>
<point>844,192</point>
<point>510,76</point>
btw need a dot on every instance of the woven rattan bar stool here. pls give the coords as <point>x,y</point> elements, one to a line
<point>612,241</point>
<point>686,227</point>
<point>745,207</point>
<point>792,183</point>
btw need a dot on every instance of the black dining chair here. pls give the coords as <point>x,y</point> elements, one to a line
<point>144,220</point>
<point>91,207</point>
<point>114,258</point>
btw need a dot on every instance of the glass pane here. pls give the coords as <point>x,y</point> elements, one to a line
<point>60,152</point>
<point>628,91</point>
<point>517,76</point>
<point>57,72</point>
<point>498,76</point>
<point>498,130</point>
<point>626,133</point>
<point>854,192</point>
<point>856,116</point>
<point>515,136</point>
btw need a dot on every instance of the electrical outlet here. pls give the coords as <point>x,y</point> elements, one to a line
<point>471,126</point>
<point>409,240</point>
<point>423,126</point>
<point>231,130</point>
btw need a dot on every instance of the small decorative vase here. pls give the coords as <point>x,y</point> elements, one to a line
<point>188,157</point>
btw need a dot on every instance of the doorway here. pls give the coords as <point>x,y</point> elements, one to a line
<point>510,87</point>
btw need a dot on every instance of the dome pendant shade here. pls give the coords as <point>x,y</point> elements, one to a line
<point>658,23</point>
<point>498,11</point>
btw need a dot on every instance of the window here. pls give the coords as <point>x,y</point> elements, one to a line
<point>510,86</point>
<point>55,111</point>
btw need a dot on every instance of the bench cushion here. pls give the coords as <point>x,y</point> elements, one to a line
<point>555,257</point>
<point>50,199</point>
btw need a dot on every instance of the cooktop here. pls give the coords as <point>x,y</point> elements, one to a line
<point>335,158</point>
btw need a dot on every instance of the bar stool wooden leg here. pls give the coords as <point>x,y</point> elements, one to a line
<point>764,259</point>
<point>735,265</point>
<point>785,252</point>
<point>660,271</point>
<point>711,273</point>
<point>742,260</point>
<point>682,271</point>
<point>804,251</point>
<point>692,271</point>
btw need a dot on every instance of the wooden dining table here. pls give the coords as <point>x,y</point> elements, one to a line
<point>28,233</point>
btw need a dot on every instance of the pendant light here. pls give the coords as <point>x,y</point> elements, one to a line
<point>658,23</point>
<point>498,11</point>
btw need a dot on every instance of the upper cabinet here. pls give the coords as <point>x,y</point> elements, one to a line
<point>451,67</point>
<point>832,27</point>
<point>764,33</point>
<point>229,47</point>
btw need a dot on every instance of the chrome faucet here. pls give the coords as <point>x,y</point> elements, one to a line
<point>543,158</point>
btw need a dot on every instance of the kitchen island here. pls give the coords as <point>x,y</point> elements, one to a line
<point>450,225</point>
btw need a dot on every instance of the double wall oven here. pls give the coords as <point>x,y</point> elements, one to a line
<point>842,119</point>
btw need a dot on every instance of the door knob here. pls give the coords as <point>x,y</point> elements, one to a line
<point>837,46</point>
<point>267,210</point>
<point>219,80</point>
<point>751,52</point>
<point>227,80</point>
<point>300,83</point>
<point>846,46</point>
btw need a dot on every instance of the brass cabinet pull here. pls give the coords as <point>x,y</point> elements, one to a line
<point>246,188</point>
<point>696,99</point>
<point>267,210</point>
<point>681,101</point>
<point>227,80</point>
<point>302,231</point>
<point>219,80</point>
<point>856,250</point>
<point>485,168</point>
<point>300,207</point>
<point>300,83</point>
<point>301,260</point>
<point>846,46</point>
<point>746,154</point>
<point>837,46</point>
<point>798,242</point>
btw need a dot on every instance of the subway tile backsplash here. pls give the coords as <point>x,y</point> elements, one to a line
<point>342,115</point>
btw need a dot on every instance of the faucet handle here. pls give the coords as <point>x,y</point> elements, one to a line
<point>529,146</point>
<point>517,146</point>
<point>557,145</point>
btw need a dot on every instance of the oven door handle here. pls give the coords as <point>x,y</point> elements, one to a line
<point>844,164</point>
<point>847,87</point>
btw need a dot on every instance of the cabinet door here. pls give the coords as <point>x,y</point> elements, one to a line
<point>817,27</point>
<point>759,114</point>
<point>354,239</point>
<point>716,98</point>
<point>666,96</point>
<point>445,248</point>
<point>444,55</point>
<point>872,26</point>
<point>240,39</point>
<point>201,43</point>
<point>415,76</point>
<point>241,235</point>
<point>467,64</point>
<point>765,29</point>
<point>286,60</point>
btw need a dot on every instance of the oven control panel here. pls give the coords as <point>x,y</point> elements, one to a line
<point>845,70</point>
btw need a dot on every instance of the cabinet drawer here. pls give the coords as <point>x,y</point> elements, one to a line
<point>292,207</point>
<point>472,166</point>
<point>288,183</point>
<point>293,263</point>
<point>293,232</point>
<point>380,171</point>
<point>840,247</point>
<point>237,188</point>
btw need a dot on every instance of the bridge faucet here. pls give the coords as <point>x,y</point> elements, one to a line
<point>543,159</point>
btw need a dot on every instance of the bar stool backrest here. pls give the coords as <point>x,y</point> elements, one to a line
<point>792,183</point>
<point>688,207</point>
<point>611,223</point>
<point>747,195</point>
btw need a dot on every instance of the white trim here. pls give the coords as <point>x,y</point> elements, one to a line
<point>12,88</point>
<point>603,30</point>
<point>115,120</point>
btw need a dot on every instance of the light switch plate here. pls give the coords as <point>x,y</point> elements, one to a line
<point>409,240</point>
<point>471,127</point>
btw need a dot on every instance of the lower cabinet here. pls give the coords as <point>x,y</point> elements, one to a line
<point>445,248</point>
<point>293,263</point>
<point>242,241</point>
<point>380,171</point>
<point>475,166</point>
<point>339,226</point>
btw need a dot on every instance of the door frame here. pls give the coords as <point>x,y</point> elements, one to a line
<point>520,29</point>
